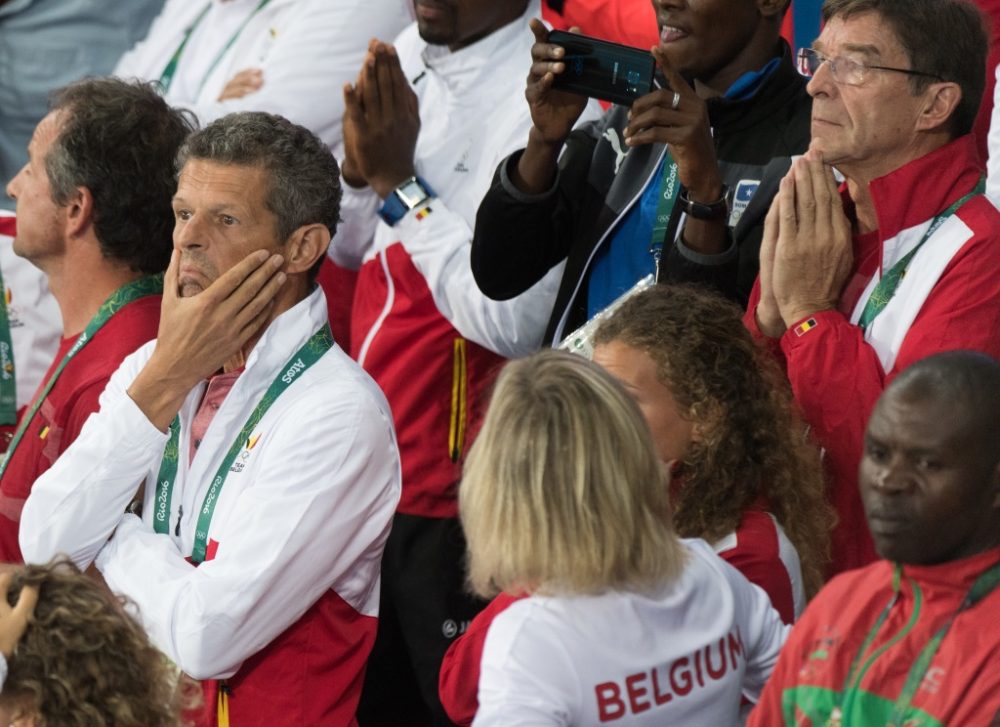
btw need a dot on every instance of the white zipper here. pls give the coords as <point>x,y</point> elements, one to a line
<point>389,300</point>
<point>558,333</point>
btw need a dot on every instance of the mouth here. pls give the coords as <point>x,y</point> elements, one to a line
<point>888,523</point>
<point>672,34</point>
<point>430,11</point>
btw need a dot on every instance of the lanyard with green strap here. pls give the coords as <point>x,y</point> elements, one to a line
<point>886,287</point>
<point>311,352</point>
<point>128,293</point>
<point>8,384</point>
<point>167,77</point>
<point>666,196</point>
<point>984,585</point>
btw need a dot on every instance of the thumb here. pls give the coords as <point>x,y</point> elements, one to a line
<point>25,605</point>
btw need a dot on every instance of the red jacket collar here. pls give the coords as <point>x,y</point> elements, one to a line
<point>916,192</point>
<point>956,575</point>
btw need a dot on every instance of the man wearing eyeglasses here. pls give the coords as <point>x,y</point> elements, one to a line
<point>900,261</point>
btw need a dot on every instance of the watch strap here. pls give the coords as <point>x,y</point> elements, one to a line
<point>717,210</point>
<point>397,205</point>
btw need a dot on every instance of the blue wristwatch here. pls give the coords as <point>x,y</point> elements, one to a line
<point>408,195</point>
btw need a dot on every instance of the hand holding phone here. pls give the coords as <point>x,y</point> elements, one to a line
<point>553,112</point>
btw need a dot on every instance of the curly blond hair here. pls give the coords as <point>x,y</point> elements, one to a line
<point>84,662</point>
<point>752,441</point>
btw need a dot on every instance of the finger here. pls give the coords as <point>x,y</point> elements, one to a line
<point>401,90</point>
<point>369,86</point>
<point>805,202</point>
<point>386,85</point>
<point>820,192</point>
<point>787,221</point>
<point>539,69</point>
<point>252,284</point>
<point>256,323</point>
<point>25,605</point>
<point>656,116</point>
<point>770,237</point>
<point>352,104</point>
<point>5,579</point>
<point>538,88</point>
<point>170,286</point>
<point>539,30</point>
<point>674,79</point>
<point>227,283</point>
<point>261,299</point>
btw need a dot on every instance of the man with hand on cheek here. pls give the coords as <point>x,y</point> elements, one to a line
<point>858,283</point>
<point>264,458</point>
<point>678,185</point>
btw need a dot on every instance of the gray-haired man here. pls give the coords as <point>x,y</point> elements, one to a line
<point>266,499</point>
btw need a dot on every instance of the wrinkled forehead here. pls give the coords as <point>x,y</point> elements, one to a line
<point>205,176</point>
<point>916,417</point>
<point>865,36</point>
<point>46,132</point>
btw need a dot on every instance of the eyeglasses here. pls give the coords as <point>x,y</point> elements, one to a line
<point>847,71</point>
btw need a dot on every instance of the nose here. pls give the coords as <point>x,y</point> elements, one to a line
<point>822,82</point>
<point>891,476</point>
<point>188,233</point>
<point>13,184</point>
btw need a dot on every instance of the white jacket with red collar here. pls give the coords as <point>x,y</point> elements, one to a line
<point>284,607</point>
<point>420,325</point>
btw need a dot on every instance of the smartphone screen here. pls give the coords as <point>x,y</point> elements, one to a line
<point>601,69</point>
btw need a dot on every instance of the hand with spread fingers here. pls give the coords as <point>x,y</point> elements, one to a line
<point>813,254</point>
<point>247,81</point>
<point>381,123</point>
<point>14,620</point>
<point>200,333</point>
<point>678,117</point>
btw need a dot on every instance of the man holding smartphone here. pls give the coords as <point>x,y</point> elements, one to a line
<point>677,186</point>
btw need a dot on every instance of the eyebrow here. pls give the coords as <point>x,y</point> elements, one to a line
<point>864,49</point>
<point>216,209</point>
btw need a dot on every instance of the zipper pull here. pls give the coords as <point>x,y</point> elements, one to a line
<point>180,514</point>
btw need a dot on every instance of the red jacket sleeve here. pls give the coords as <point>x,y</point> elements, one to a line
<point>458,685</point>
<point>837,377</point>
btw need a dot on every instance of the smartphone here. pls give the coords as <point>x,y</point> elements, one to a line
<point>601,69</point>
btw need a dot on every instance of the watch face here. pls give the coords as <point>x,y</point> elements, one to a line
<point>411,193</point>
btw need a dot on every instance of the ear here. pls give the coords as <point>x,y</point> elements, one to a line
<point>79,210</point>
<point>772,8</point>
<point>941,101</point>
<point>305,246</point>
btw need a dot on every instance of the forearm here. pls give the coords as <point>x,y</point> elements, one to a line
<point>537,167</point>
<point>439,246</point>
<point>76,505</point>
<point>159,392</point>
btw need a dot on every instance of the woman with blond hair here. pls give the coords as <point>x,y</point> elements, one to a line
<point>564,499</point>
<point>82,661</point>
<point>747,479</point>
